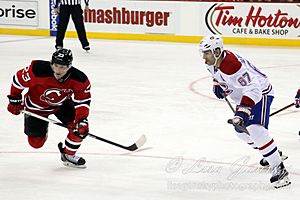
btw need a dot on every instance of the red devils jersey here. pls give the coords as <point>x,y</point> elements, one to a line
<point>46,94</point>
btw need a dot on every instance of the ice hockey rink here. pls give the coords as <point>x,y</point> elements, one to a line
<point>161,90</point>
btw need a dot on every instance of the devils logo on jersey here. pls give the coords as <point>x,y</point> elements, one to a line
<point>55,96</point>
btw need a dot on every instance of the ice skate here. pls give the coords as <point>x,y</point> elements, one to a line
<point>71,160</point>
<point>263,162</point>
<point>87,48</point>
<point>280,176</point>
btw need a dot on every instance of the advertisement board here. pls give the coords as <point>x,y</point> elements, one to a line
<point>176,21</point>
<point>132,17</point>
<point>20,13</point>
<point>53,18</point>
<point>253,20</point>
<point>259,20</point>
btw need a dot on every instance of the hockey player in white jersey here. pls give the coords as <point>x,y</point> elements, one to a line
<point>252,93</point>
<point>297,99</point>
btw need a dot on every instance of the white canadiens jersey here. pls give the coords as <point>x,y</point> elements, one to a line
<point>238,78</point>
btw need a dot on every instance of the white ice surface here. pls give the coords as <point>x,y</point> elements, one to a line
<point>161,90</point>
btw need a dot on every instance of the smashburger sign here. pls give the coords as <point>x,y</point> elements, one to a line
<point>260,20</point>
<point>127,17</point>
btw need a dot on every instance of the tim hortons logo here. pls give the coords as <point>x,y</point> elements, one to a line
<point>219,16</point>
<point>55,96</point>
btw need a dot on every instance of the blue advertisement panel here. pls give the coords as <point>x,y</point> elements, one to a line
<point>53,18</point>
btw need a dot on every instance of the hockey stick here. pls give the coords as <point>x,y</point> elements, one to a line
<point>229,121</point>
<point>229,104</point>
<point>140,142</point>
<point>286,107</point>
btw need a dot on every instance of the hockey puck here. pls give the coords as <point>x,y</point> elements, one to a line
<point>299,132</point>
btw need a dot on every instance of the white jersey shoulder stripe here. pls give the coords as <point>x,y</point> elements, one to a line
<point>16,83</point>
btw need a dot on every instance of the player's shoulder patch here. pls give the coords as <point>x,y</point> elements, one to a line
<point>78,75</point>
<point>230,64</point>
<point>41,68</point>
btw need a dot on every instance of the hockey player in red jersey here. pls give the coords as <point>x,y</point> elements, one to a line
<point>237,78</point>
<point>297,99</point>
<point>58,88</point>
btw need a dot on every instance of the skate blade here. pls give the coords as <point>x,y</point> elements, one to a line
<point>68,164</point>
<point>282,183</point>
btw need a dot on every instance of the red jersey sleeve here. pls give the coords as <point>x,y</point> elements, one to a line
<point>21,80</point>
<point>82,100</point>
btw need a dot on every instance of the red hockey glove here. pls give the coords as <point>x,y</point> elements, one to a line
<point>15,104</point>
<point>297,99</point>
<point>82,128</point>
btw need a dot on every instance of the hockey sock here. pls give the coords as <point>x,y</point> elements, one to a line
<point>72,143</point>
<point>265,144</point>
<point>246,138</point>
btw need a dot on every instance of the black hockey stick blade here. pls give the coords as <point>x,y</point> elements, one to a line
<point>239,127</point>
<point>140,142</point>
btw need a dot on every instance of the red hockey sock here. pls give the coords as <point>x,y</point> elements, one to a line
<point>72,143</point>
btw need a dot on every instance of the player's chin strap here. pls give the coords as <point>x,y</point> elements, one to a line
<point>140,142</point>
<point>217,57</point>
